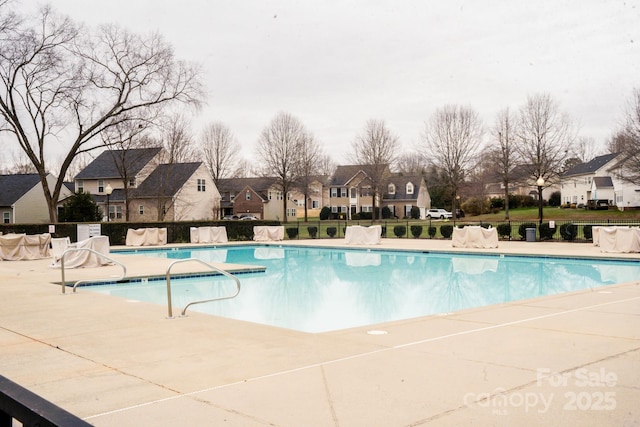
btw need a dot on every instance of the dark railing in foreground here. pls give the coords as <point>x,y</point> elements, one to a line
<point>18,403</point>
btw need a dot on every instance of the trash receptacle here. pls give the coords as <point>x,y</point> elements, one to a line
<point>530,234</point>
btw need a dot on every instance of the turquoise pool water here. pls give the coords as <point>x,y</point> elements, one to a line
<point>320,289</point>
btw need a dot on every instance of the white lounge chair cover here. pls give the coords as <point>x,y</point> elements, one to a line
<point>474,237</point>
<point>146,236</point>
<point>82,259</point>
<point>359,235</point>
<point>208,235</point>
<point>17,247</point>
<point>619,239</point>
<point>266,233</point>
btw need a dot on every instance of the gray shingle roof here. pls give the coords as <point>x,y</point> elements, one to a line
<point>400,182</point>
<point>105,166</point>
<point>591,166</point>
<point>344,173</point>
<point>603,182</point>
<point>12,187</point>
<point>166,180</point>
<point>260,185</point>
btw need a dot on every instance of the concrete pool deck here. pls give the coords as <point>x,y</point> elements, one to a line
<point>570,359</point>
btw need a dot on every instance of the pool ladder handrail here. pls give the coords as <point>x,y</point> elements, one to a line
<point>213,267</point>
<point>124,268</point>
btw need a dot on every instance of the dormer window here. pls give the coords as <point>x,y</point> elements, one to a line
<point>391,189</point>
<point>409,188</point>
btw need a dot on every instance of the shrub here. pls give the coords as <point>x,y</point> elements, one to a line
<point>416,230</point>
<point>292,232</point>
<point>399,230</point>
<point>554,199</point>
<point>504,230</point>
<point>325,212</point>
<point>496,203</point>
<point>522,230</point>
<point>331,231</point>
<point>432,231</point>
<point>446,230</point>
<point>313,231</point>
<point>80,207</point>
<point>386,212</point>
<point>568,231</point>
<point>546,232</point>
<point>588,232</point>
<point>415,212</point>
<point>356,216</point>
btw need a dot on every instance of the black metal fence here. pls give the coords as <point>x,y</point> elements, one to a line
<point>178,232</point>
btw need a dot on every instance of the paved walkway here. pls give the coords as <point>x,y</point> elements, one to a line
<point>571,359</point>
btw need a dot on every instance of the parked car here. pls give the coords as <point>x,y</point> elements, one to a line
<point>459,213</point>
<point>230,217</point>
<point>438,213</point>
<point>248,218</point>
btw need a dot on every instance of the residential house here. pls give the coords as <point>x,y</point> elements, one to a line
<point>317,197</point>
<point>404,192</point>
<point>261,197</point>
<point>176,192</point>
<point>136,181</point>
<point>120,171</point>
<point>22,198</point>
<point>599,183</point>
<point>350,191</point>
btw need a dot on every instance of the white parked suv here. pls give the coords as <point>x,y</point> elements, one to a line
<point>438,213</point>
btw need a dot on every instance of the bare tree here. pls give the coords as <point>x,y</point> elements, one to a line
<point>279,148</point>
<point>61,83</point>
<point>618,141</point>
<point>631,132</point>
<point>544,138</point>
<point>308,166</point>
<point>452,139</point>
<point>377,148</point>
<point>504,153</point>
<point>411,163</point>
<point>326,165</point>
<point>177,139</point>
<point>220,150</point>
<point>584,149</point>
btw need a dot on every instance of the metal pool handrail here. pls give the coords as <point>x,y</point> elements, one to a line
<point>124,269</point>
<point>213,267</point>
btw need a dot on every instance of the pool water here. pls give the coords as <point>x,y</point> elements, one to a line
<point>320,289</point>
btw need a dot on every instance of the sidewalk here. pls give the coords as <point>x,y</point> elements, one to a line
<point>571,359</point>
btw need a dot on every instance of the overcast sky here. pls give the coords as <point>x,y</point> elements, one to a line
<point>336,64</point>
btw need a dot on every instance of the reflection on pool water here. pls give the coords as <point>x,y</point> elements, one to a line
<point>319,289</point>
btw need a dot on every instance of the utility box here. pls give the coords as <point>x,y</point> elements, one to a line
<point>530,234</point>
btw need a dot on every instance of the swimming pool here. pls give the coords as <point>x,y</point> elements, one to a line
<point>324,289</point>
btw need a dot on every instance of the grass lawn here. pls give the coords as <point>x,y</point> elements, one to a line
<point>558,214</point>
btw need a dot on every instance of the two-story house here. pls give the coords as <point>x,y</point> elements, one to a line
<point>22,198</point>
<point>261,197</point>
<point>404,192</point>
<point>589,181</point>
<point>350,191</point>
<point>600,183</point>
<point>176,192</point>
<point>117,181</point>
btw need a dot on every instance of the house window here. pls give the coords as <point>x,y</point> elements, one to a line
<point>343,192</point>
<point>315,204</point>
<point>115,212</point>
<point>279,195</point>
<point>6,217</point>
<point>247,195</point>
<point>354,192</point>
<point>132,182</point>
<point>334,192</point>
<point>80,186</point>
<point>201,184</point>
<point>141,209</point>
<point>365,191</point>
<point>344,209</point>
<point>334,209</point>
<point>391,189</point>
<point>409,188</point>
<point>232,195</point>
<point>101,186</point>
<point>367,208</point>
<point>407,210</point>
<point>270,195</point>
